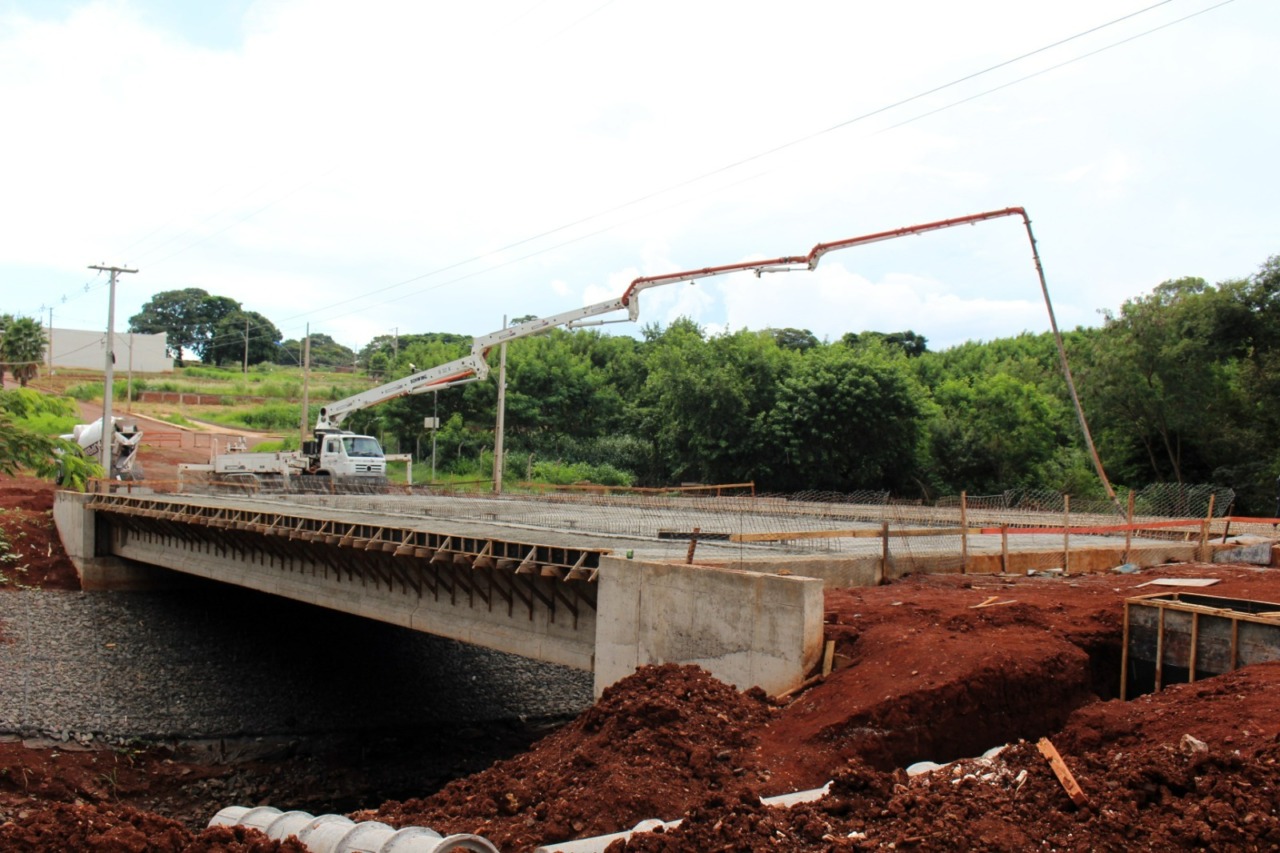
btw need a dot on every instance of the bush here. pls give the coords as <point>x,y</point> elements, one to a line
<point>25,405</point>
<point>289,442</point>
<point>566,474</point>
<point>85,391</point>
<point>209,372</point>
<point>289,390</point>
<point>271,417</point>
<point>621,452</point>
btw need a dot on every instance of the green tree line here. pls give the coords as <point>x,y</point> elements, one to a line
<point>1181,386</point>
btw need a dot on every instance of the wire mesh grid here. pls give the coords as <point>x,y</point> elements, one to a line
<point>1019,530</point>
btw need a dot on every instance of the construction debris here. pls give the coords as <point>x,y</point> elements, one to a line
<point>1059,767</point>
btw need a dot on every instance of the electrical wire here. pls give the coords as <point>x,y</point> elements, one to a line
<point>783,147</point>
<point>706,175</point>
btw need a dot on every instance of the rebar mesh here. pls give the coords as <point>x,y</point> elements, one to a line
<point>1019,530</point>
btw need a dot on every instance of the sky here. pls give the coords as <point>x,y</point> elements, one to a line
<point>399,166</point>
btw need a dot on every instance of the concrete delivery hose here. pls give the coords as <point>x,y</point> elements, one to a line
<point>333,833</point>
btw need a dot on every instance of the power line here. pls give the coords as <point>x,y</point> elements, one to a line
<point>1062,64</point>
<point>779,148</point>
<point>364,296</point>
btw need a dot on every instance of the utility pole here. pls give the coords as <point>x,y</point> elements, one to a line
<point>108,423</point>
<point>128,392</point>
<point>502,405</point>
<point>246,347</point>
<point>306,380</point>
<point>50,342</point>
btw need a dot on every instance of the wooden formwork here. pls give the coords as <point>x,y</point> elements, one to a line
<point>1180,637</point>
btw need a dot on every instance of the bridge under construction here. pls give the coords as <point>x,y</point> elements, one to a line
<point>602,583</point>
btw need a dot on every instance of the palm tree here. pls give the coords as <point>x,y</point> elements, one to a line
<point>22,343</point>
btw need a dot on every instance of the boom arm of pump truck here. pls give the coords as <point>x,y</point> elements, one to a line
<point>474,366</point>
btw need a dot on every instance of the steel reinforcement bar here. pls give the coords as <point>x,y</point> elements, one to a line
<point>435,563</point>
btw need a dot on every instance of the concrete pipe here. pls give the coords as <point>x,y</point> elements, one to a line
<point>260,818</point>
<point>290,823</point>
<point>332,833</point>
<point>230,816</point>
<point>323,834</point>
<point>407,841</point>
<point>365,837</point>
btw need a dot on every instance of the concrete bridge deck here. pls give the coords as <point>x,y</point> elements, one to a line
<point>600,586</point>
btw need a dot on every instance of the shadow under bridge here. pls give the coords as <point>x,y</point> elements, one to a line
<point>538,600</point>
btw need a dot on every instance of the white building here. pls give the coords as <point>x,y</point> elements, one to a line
<point>75,348</point>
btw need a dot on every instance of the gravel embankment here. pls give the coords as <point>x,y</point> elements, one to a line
<point>212,661</point>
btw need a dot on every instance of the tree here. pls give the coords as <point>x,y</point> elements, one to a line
<point>242,332</point>
<point>186,317</point>
<point>213,311</point>
<point>909,342</point>
<point>844,419</point>
<point>554,388</point>
<point>702,401</point>
<point>1161,379</point>
<point>325,352</point>
<point>796,339</point>
<point>22,347</point>
<point>24,449</point>
<point>991,433</point>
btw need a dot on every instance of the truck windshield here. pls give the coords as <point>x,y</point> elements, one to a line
<point>361,445</point>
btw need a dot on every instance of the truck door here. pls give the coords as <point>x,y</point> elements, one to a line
<point>332,459</point>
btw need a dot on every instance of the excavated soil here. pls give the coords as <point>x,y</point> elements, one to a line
<point>938,668</point>
<point>32,556</point>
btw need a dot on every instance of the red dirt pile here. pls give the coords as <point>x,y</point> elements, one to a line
<point>1194,767</point>
<point>32,555</point>
<point>654,743</point>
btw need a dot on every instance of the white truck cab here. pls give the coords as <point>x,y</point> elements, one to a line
<point>344,455</point>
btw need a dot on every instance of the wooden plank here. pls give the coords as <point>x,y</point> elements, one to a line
<point>1060,770</point>
<point>693,544</point>
<point>1160,649</point>
<point>1195,642</point>
<point>863,533</point>
<point>993,601</point>
<point>1124,652</point>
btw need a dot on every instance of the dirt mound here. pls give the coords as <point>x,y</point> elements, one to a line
<point>1150,787</point>
<point>31,554</point>
<point>653,745</point>
<point>125,830</point>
